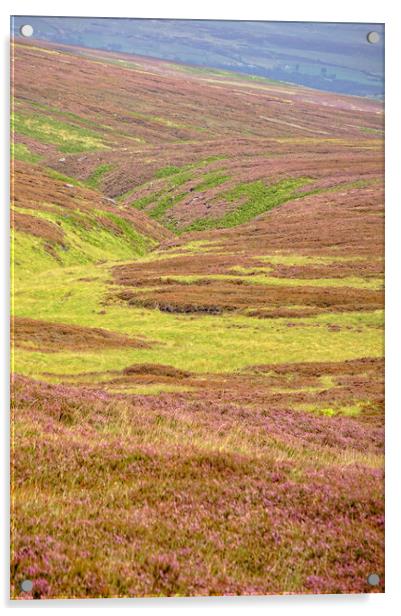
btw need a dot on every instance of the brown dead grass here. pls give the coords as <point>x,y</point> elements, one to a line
<point>52,337</point>
<point>158,370</point>
<point>38,227</point>
<point>215,296</point>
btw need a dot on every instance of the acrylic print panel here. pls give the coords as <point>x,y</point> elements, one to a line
<point>197,392</point>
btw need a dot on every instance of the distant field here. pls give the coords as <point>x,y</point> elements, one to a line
<point>197,331</point>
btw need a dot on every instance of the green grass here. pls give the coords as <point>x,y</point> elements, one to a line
<point>141,203</point>
<point>164,121</point>
<point>205,344</point>
<point>68,138</point>
<point>256,198</point>
<point>349,410</point>
<point>162,201</point>
<point>19,151</point>
<point>179,179</point>
<point>195,246</point>
<point>29,256</point>
<point>253,198</point>
<point>86,240</point>
<point>217,344</point>
<point>95,178</point>
<point>177,176</point>
<point>214,72</point>
<point>164,204</point>
<point>139,244</point>
<point>325,382</point>
<point>63,114</point>
<point>373,131</point>
<point>351,281</point>
<point>297,259</point>
<point>165,172</point>
<point>222,343</point>
<point>53,173</point>
<point>210,180</point>
<point>53,288</point>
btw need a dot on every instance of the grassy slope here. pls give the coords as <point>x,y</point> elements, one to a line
<point>218,343</point>
<point>158,494</point>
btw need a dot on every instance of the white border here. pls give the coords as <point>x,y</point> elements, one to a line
<point>286,10</point>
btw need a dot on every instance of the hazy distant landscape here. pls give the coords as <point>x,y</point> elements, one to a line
<point>333,57</point>
<point>197,330</point>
